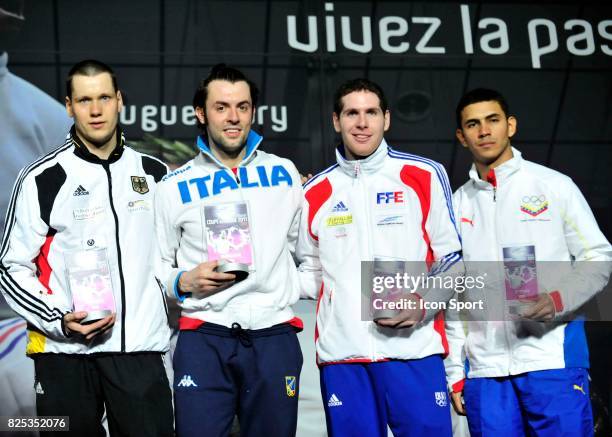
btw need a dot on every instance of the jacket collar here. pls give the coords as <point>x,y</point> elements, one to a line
<point>81,150</point>
<point>252,144</point>
<point>499,175</point>
<point>368,165</point>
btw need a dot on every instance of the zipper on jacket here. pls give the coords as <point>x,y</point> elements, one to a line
<point>492,179</point>
<point>106,167</point>
<point>368,255</point>
<point>246,314</point>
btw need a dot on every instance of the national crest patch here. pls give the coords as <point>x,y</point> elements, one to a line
<point>290,385</point>
<point>139,184</point>
<point>534,205</point>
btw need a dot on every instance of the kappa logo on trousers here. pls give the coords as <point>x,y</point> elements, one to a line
<point>186,381</point>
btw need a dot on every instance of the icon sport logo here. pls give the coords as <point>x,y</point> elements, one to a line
<point>534,205</point>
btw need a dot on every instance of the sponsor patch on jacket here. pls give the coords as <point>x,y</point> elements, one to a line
<point>138,205</point>
<point>339,207</point>
<point>176,172</point>
<point>139,184</point>
<point>389,197</point>
<point>93,242</point>
<point>88,213</point>
<point>397,219</point>
<point>339,220</point>
<point>534,205</point>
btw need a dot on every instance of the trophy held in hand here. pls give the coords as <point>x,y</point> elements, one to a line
<point>228,237</point>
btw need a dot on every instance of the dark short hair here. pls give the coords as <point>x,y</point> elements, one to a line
<point>89,67</point>
<point>222,72</point>
<point>480,95</point>
<point>359,84</point>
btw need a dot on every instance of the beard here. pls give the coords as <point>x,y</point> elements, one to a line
<point>225,146</point>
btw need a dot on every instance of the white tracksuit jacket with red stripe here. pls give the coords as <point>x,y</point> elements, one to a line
<point>526,204</point>
<point>70,201</point>
<point>390,204</point>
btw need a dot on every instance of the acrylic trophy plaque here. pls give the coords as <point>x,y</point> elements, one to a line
<point>228,237</point>
<point>90,283</point>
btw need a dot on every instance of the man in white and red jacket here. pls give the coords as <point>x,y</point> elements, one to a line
<point>524,377</point>
<point>376,203</point>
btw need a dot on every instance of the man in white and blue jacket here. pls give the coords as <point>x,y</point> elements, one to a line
<point>237,351</point>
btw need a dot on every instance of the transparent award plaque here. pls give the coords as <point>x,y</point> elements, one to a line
<point>91,286</point>
<point>387,267</point>
<point>228,237</point>
<point>520,278</point>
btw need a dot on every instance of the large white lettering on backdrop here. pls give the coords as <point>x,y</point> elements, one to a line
<point>151,116</point>
<point>393,36</point>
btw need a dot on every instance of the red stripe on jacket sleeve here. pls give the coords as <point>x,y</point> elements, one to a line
<point>42,263</point>
<point>316,197</point>
<point>420,182</point>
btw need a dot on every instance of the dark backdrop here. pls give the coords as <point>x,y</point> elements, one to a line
<point>553,61</point>
<point>161,48</point>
